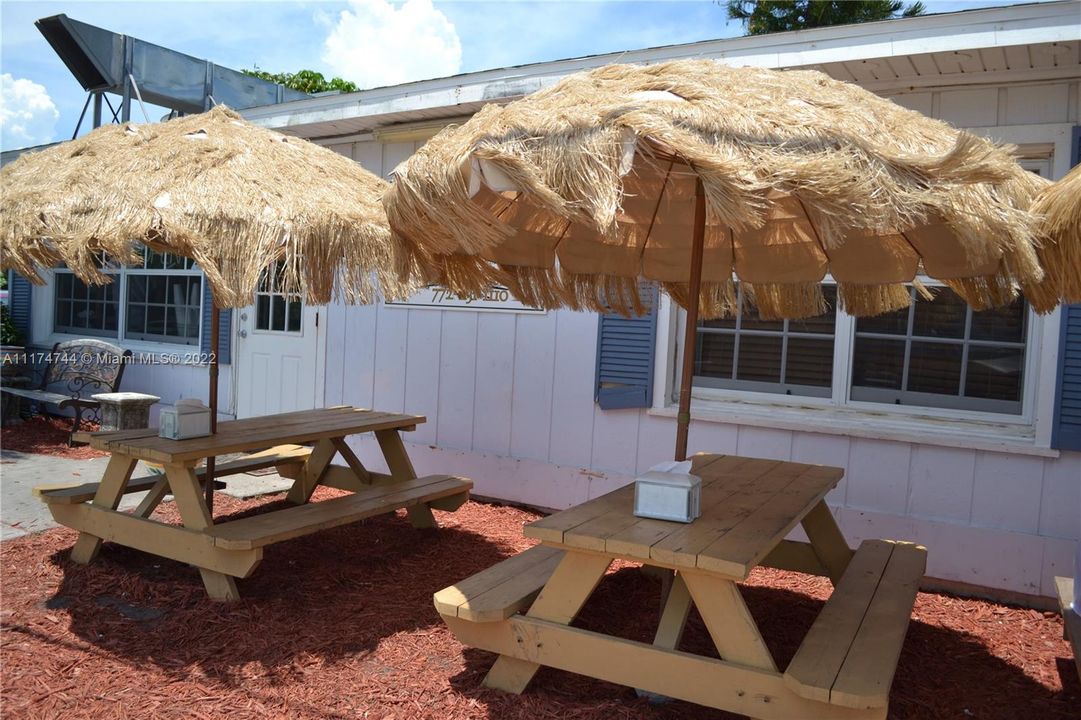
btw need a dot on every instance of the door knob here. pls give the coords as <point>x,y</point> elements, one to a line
<point>243,333</point>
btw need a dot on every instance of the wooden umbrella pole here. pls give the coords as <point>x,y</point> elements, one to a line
<point>690,336</point>
<point>215,342</point>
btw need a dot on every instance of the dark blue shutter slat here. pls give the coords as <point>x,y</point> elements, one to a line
<point>625,355</point>
<point>1066,428</point>
<point>20,295</point>
<point>1066,431</point>
<point>225,329</point>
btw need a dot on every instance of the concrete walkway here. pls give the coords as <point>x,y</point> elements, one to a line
<point>21,512</point>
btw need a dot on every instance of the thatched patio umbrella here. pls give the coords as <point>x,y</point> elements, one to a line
<point>237,198</point>
<point>689,173</point>
<point>1059,208</point>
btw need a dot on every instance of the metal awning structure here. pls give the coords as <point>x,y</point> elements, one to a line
<point>107,62</point>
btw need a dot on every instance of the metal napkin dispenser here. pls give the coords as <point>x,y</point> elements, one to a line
<point>668,492</point>
<point>186,419</point>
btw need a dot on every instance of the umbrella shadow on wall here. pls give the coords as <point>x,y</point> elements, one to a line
<point>332,595</point>
<point>943,672</point>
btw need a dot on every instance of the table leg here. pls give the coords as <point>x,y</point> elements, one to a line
<point>184,484</point>
<point>730,624</point>
<point>311,472</point>
<point>827,540</point>
<point>111,489</point>
<point>352,460</point>
<point>674,615</point>
<point>153,498</point>
<point>401,469</point>
<point>563,596</point>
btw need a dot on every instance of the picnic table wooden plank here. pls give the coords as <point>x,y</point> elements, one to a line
<point>724,511</point>
<point>237,439</point>
<point>867,673</point>
<point>592,524</point>
<point>553,527</point>
<point>498,592</point>
<point>279,525</point>
<point>823,650</point>
<point>103,439</point>
<point>737,551</point>
<point>113,440</point>
<point>81,492</point>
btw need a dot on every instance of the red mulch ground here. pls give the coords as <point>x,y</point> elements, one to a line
<point>341,625</point>
<point>47,435</point>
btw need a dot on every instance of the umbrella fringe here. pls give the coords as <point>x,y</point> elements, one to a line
<point>1059,209</point>
<point>985,292</point>
<point>869,300</point>
<point>716,299</point>
<point>777,301</point>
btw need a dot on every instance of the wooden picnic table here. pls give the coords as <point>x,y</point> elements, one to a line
<point>522,608</point>
<point>300,445</point>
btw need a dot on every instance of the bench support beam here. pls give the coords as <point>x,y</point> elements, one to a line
<point>111,489</point>
<point>828,541</point>
<point>574,580</point>
<point>184,484</point>
<point>312,471</point>
<point>168,541</point>
<point>401,469</point>
<point>530,641</point>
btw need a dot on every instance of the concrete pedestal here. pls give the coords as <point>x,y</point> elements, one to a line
<point>125,410</point>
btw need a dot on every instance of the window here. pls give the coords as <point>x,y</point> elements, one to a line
<point>936,353</point>
<point>274,310</point>
<point>86,309</point>
<point>162,301</point>
<point>940,353</point>
<point>792,357</point>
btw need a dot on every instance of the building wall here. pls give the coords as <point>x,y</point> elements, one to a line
<point>509,402</point>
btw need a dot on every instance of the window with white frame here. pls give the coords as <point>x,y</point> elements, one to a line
<point>937,353</point>
<point>158,300</point>
<point>745,352</point>
<point>941,353</point>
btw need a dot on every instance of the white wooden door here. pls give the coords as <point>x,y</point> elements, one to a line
<point>278,350</point>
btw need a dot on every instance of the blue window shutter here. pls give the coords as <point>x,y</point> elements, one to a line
<point>625,354</point>
<point>225,329</point>
<point>1066,430</point>
<point>1066,427</point>
<point>20,296</point>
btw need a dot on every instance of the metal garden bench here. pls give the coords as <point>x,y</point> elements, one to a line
<point>74,371</point>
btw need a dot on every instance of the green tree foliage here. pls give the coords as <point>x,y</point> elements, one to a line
<point>770,16</point>
<point>308,81</point>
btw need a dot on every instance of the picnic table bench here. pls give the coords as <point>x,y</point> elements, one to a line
<point>300,445</point>
<point>74,370</point>
<point>522,607</point>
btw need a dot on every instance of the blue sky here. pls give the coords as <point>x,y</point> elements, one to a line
<point>372,42</point>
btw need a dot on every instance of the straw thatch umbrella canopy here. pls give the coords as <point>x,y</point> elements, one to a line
<point>1059,207</point>
<point>691,173</point>
<point>235,197</point>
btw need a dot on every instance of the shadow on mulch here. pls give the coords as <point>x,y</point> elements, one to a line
<point>341,624</point>
<point>333,594</point>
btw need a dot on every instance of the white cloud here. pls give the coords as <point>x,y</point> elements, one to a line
<point>377,42</point>
<point>27,114</point>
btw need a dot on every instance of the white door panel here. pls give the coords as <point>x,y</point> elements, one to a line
<point>278,355</point>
